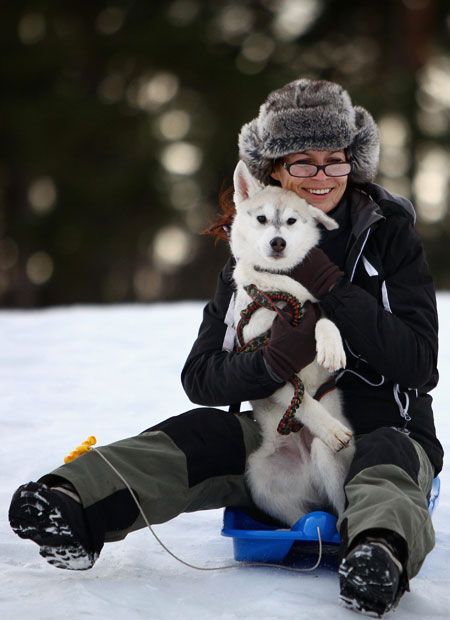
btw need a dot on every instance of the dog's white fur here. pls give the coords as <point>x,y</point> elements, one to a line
<point>289,475</point>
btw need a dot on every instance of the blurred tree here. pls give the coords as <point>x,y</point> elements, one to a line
<point>119,120</point>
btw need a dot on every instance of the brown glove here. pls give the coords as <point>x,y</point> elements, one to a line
<point>317,273</point>
<point>292,348</point>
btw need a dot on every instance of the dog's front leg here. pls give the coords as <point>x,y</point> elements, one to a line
<point>329,345</point>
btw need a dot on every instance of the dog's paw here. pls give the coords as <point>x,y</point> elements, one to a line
<point>337,437</point>
<point>329,347</point>
<point>331,358</point>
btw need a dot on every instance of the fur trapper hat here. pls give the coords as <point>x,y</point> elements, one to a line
<point>310,114</point>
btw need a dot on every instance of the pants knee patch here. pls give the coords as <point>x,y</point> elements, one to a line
<point>385,446</point>
<point>211,440</point>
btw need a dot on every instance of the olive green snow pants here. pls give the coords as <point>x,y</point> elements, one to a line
<point>196,461</point>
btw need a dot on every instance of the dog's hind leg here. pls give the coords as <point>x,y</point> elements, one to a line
<point>329,471</point>
<point>322,424</point>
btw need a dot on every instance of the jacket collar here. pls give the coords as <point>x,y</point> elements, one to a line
<point>364,213</point>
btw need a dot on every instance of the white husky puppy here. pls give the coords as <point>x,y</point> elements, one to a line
<point>289,475</point>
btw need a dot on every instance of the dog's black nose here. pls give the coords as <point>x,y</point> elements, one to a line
<point>278,244</point>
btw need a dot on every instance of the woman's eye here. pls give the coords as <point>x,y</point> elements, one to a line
<point>262,219</point>
<point>291,221</point>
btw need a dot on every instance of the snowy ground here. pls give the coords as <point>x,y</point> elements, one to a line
<point>67,373</point>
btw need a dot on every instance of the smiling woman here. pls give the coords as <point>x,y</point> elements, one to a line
<point>309,138</point>
<point>319,177</point>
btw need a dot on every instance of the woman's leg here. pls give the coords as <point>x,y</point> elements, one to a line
<point>386,498</point>
<point>193,461</point>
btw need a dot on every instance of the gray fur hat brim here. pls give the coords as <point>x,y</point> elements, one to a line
<point>310,114</point>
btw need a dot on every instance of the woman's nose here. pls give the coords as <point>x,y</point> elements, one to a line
<point>320,175</point>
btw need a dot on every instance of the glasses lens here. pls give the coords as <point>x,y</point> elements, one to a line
<point>302,170</point>
<point>338,170</point>
<point>309,170</point>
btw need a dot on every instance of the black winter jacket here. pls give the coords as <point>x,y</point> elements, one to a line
<point>385,309</point>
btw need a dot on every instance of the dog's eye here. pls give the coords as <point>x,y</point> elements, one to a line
<point>262,219</point>
<point>291,221</point>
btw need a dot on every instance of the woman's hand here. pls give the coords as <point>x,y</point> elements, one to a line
<point>291,348</point>
<point>317,273</point>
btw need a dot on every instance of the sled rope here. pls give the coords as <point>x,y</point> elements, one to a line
<point>204,568</point>
<point>268,299</point>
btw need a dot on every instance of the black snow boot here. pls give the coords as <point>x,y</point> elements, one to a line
<point>54,520</point>
<point>372,579</point>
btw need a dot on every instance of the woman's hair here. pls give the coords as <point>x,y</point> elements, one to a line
<point>220,227</point>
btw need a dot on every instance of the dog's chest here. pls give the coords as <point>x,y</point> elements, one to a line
<point>260,320</point>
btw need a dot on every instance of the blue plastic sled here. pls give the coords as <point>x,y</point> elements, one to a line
<point>258,542</point>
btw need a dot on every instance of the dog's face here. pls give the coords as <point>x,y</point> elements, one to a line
<point>273,228</point>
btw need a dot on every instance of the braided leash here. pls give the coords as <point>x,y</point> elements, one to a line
<point>261,299</point>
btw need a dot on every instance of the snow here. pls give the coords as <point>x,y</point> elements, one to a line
<point>112,371</point>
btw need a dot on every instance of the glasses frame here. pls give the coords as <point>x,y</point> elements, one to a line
<point>318,167</point>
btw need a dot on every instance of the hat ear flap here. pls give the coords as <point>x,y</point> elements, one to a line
<point>364,149</point>
<point>245,185</point>
<point>323,218</point>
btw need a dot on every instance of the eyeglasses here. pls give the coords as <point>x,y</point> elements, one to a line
<point>298,169</point>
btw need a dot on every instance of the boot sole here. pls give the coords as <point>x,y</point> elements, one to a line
<point>33,517</point>
<point>365,589</point>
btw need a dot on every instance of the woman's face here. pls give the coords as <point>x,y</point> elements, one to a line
<point>320,190</point>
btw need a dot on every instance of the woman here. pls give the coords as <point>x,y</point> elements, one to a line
<point>371,278</point>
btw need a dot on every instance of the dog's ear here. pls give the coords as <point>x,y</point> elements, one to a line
<point>323,218</point>
<point>245,185</point>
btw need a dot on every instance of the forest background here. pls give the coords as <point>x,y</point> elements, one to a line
<point>119,123</point>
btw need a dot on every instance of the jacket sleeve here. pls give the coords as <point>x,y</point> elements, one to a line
<point>399,338</point>
<point>214,377</point>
